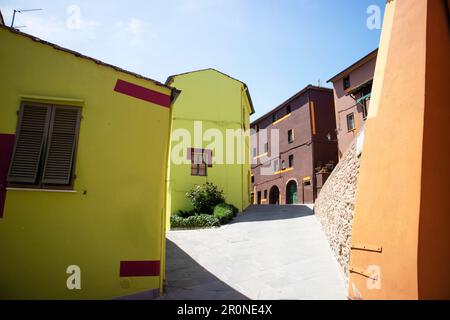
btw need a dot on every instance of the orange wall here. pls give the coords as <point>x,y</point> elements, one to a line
<point>389,188</point>
<point>402,197</point>
<point>434,230</point>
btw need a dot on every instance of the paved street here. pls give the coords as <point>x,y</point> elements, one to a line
<point>270,252</point>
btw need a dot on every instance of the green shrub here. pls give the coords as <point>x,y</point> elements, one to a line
<point>205,198</point>
<point>235,210</point>
<point>225,212</point>
<point>193,222</point>
<point>185,214</point>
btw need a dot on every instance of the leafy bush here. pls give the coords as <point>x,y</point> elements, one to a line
<point>205,198</point>
<point>185,214</point>
<point>193,222</point>
<point>225,212</point>
<point>235,210</point>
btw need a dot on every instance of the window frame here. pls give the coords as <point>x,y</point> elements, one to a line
<point>364,108</point>
<point>274,117</point>
<point>354,122</point>
<point>346,83</point>
<point>40,185</point>
<point>276,165</point>
<point>291,161</point>
<point>291,136</point>
<point>266,147</point>
<point>198,166</point>
<point>307,182</point>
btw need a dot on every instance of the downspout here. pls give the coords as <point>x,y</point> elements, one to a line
<point>241,110</point>
<point>162,274</point>
<point>313,176</point>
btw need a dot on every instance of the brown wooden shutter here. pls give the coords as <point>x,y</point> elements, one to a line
<point>62,141</point>
<point>31,135</point>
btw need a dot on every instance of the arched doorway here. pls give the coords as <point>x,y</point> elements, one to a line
<point>274,195</point>
<point>291,192</point>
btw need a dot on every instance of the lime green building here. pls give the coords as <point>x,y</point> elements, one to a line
<point>210,138</point>
<point>83,158</point>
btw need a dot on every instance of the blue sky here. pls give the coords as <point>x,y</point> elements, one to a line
<point>277,47</point>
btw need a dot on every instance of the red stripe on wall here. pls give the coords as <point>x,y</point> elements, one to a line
<point>139,268</point>
<point>142,93</point>
<point>6,150</point>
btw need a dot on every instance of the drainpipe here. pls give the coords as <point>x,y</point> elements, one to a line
<point>243,175</point>
<point>313,176</point>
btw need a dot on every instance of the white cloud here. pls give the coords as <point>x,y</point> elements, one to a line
<point>134,26</point>
<point>50,27</point>
<point>136,33</point>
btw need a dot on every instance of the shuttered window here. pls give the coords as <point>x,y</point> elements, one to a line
<point>198,166</point>
<point>45,146</point>
<point>31,134</point>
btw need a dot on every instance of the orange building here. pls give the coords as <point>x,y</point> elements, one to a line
<point>401,230</point>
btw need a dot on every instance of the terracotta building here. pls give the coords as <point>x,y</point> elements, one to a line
<point>307,148</point>
<point>352,92</point>
<point>401,231</point>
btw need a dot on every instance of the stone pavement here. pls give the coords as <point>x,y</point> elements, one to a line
<point>270,252</point>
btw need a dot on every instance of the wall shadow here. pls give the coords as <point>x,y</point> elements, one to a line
<point>273,212</point>
<point>188,280</point>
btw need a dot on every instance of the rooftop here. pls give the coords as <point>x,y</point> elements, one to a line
<point>354,66</point>
<point>79,55</point>
<point>170,79</point>
<point>295,96</point>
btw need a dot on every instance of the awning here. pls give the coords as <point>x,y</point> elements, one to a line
<point>367,96</point>
<point>360,87</point>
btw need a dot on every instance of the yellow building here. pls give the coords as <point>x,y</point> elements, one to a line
<point>83,158</point>
<point>211,106</point>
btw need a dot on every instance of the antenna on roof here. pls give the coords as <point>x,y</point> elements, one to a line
<point>319,83</point>
<point>21,11</point>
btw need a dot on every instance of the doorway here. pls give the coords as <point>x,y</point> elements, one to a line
<point>274,195</point>
<point>291,193</point>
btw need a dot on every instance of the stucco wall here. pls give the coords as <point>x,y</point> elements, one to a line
<point>115,211</point>
<point>346,105</point>
<point>307,149</point>
<point>402,200</point>
<point>335,205</point>
<point>217,102</point>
